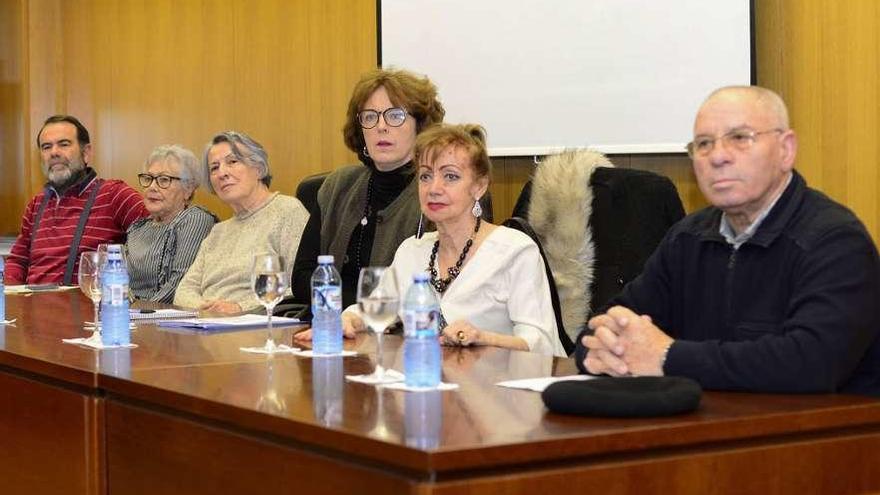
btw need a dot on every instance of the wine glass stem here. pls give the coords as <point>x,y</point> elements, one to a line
<point>270,340</point>
<point>380,371</point>
<point>97,323</point>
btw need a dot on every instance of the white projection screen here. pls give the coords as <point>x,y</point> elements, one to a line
<point>619,76</point>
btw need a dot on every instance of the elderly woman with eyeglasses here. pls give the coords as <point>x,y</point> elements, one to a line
<point>162,246</point>
<point>219,281</point>
<point>367,210</point>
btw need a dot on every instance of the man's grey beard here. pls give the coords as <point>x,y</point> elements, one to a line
<point>60,178</point>
<point>64,177</point>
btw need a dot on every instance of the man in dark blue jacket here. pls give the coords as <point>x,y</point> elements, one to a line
<point>773,288</point>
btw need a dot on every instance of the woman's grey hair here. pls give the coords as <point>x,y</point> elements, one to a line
<point>189,165</point>
<point>246,149</point>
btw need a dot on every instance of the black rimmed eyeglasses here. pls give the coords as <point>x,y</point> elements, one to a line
<point>394,117</point>
<point>162,180</point>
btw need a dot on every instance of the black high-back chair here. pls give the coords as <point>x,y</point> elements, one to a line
<point>523,226</point>
<point>631,212</point>
<point>307,191</point>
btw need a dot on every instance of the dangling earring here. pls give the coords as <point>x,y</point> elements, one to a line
<point>366,153</point>
<point>477,210</point>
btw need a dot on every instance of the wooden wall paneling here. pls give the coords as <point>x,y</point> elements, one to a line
<point>160,72</point>
<point>140,74</point>
<point>859,132</point>
<point>297,76</point>
<point>12,122</point>
<point>42,60</point>
<point>509,174</point>
<point>822,57</point>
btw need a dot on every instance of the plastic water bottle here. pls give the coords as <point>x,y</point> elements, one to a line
<point>421,348</point>
<point>326,308</point>
<point>115,319</point>
<point>2,289</point>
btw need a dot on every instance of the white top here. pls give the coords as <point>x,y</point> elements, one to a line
<point>503,288</point>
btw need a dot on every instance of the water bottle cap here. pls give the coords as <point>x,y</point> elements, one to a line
<point>325,259</point>
<point>420,277</point>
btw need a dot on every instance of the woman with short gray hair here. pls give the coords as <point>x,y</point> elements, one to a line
<point>162,247</point>
<point>237,171</point>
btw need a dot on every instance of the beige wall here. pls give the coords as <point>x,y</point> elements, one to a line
<point>145,73</point>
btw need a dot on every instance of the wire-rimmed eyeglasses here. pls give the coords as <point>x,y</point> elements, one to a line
<point>162,180</point>
<point>739,139</point>
<point>394,117</point>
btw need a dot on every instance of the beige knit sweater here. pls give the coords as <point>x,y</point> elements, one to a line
<point>222,269</point>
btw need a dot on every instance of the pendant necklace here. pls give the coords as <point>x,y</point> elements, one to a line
<point>364,221</point>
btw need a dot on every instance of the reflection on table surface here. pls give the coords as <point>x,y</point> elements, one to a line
<point>308,400</point>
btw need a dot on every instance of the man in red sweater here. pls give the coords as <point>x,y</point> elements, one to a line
<point>74,213</point>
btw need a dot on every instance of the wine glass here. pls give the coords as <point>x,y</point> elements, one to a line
<point>89,278</point>
<point>378,298</point>
<point>269,282</point>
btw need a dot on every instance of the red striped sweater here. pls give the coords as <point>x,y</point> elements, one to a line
<point>116,206</point>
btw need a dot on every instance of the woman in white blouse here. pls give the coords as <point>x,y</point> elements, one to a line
<point>490,279</point>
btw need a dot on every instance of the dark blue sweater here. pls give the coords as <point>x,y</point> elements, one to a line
<point>795,309</point>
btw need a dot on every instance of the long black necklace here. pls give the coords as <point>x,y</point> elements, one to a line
<point>364,221</point>
<point>441,284</point>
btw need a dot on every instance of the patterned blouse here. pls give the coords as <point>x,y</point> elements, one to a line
<point>159,254</point>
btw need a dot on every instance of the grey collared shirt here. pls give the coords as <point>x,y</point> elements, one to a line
<point>726,230</point>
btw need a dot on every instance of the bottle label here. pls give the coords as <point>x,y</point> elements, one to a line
<point>421,323</point>
<point>327,297</point>
<point>117,294</point>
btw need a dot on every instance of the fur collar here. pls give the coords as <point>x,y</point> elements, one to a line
<point>559,212</point>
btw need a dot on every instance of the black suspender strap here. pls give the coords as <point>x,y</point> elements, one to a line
<point>77,236</point>
<point>38,217</point>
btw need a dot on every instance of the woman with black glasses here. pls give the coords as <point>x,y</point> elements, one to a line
<point>162,246</point>
<point>367,210</point>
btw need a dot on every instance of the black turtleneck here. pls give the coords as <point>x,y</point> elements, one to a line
<point>386,187</point>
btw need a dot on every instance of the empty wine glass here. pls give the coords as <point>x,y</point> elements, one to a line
<point>89,278</point>
<point>269,282</point>
<point>378,298</point>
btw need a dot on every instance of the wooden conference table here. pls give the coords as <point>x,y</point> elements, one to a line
<point>186,413</point>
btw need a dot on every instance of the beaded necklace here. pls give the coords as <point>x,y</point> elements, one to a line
<point>441,284</point>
